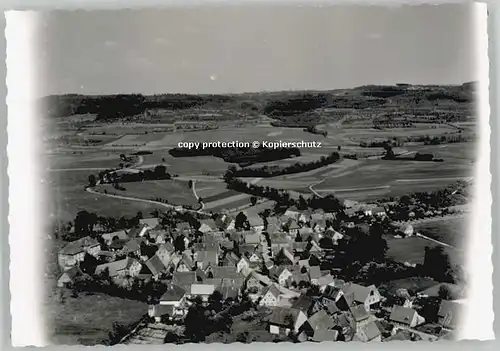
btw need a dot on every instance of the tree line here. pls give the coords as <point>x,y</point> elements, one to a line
<point>239,155</point>
<point>267,171</point>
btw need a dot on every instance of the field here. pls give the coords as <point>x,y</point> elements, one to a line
<point>87,319</point>
<point>449,231</point>
<point>174,191</point>
<point>412,250</point>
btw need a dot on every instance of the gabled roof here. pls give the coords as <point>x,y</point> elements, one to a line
<point>78,246</point>
<point>183,226</point>
<point>173,293</point>
<point>132,245</point>
<point>283,316</point>
<point>155,265</point>
<point>314,272</point>
<point>121,234</point>
<point>303,303</point>
<point>183,278</point>
<point>321,320</point>
<point>252,239</point>
<point>207,257</point>
<point>325,335</point>
<point>202,289</point>
<point>403,315</point>
<point>150,222</point>
<point>224,272</point>
<point>116,266</point>
<point>273,290</point>
<point>360,292</point>
<point>371,330</point>
<point>325,279</point>
<point>229,292</point>
<point>359,313</point>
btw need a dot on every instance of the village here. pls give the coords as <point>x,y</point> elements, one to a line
<point>298,275</point>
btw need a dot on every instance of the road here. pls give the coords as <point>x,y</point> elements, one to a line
<point>436,241</point>
<point>129,198</point>
<point>139,162</point>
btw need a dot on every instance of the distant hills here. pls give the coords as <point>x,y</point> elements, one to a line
<point>274,104</point>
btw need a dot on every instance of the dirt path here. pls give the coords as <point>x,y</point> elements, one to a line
<point>193,187</point>
<point>436,241</point>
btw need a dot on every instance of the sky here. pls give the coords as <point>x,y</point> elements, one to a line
<point>236,49</point>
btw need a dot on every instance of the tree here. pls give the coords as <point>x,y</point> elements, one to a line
<point>239,221</point>
<point>92,180</point>
<point>445,293</point>
<point>190,184</point>
<point>88,264</point>
<point>436,263</point>
<point>179,243</point>
<point>253,200</point>
<point>84,223</point>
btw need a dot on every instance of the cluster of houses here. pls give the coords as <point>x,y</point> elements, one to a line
<point>266,262</point>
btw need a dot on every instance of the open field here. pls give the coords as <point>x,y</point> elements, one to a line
<point>414,284</point>
<point>450,231</point>
<point>66,196</point>
<point>412,250</point>
<point>82,320</point>
<point>174,191</point>
<point>228,203</point>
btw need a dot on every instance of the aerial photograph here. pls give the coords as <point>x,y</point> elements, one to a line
<point>257,174</point>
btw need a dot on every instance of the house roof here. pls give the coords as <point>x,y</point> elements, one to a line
<point>207,257</point>
<point>321,320</point>
<point>314,272</point>
<point>116,266</point>
<point>183,226</point>
<point>360,292</point>
<point>332,308</point>
<point>121,234</point>
<point>202,289</point>
<point>132,245</point>
<point>273,290</point>
<point>229,292</point>
<point>325,279</point>
<point>325,335</point>
<point>162,310</point>
<point>253,238</point>
<point>250,248</point>
<point>155,265</point>
<point>217,282</point>
<point>299,246</point>
<point>78,246</point>
<point>224,272</point>
<point>255,221</point>
<point>184,278</point>
<point>403,315</point>
<point>303,303</point>
<point>150,222</point>
<point>72,273</point>
<point>305,231</point>
<point>173,293</point>
<point>281,315</point>
<point>359,313</point>
<point>371,330</point>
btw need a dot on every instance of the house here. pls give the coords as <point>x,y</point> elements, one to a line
<point>185,264</point>
<point>305,232</point>
<point>207,226</point>
<point>138,231</point>
<point>293,227</point>
<point>448,314</point>
<point>118,235</point>
<point>273,225</point>
<point>150,223</point>
<point>132,247</point>
<point>224,272</point>
<point>322,335</point>
<point>270,296</point>
<point>243,265</point>
<point>378,211</point>
<point>404,316</point>
<point>256,223</point>
<point>320,320</point>
<point>225,222</point>
<point>324,280</point>
<point>332,294</point>
<point>292,212</point>
<point>314,274</point>
<point>207,258</point>
<point>69,276</point>
<point>299,247</point>
<point>171,304</point>
<point>156,266</point>
<point>202,290</point>
<point>184,279</point>
<point>303,303</point>
<point>318,225</point>
<point>282,273</point>
<point>285,257</point>
<point>158,312</point>
<point>360,316</point>
<point>407,230</point>
<point>285,320</point>
<point>297,279</point>
<point>126,267</point>
<point>74,252</point>
<point>256,282</point>
<point>230,259</point>
<point>252,238</point>
<point>183,228</point>
<point>255,258</point>
<point>174,296</point>
<point>369,332</point>
<point>368,296</point>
